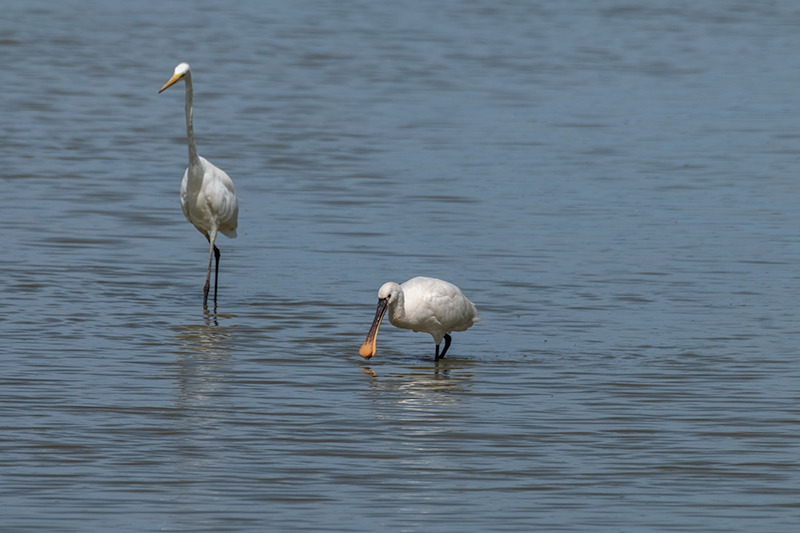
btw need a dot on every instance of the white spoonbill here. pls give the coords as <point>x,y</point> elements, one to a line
<point>422,304</point>
<point>208,198</point>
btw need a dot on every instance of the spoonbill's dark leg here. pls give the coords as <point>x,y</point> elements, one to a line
<point>447,340</point>
<point>216,272</point>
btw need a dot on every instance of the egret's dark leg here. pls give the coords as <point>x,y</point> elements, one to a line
<point>211,252</point>
<point>216,272</point>
<point>447,340</point>
<point>436,357</point>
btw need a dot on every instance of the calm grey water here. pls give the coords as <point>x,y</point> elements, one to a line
<point>615,187</point>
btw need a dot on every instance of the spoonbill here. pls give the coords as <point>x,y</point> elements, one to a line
<point>208,198</point>
<point>423,304</point>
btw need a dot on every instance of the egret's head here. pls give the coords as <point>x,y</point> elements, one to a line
<point>180,71</point>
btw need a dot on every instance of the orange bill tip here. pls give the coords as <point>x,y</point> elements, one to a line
<point>367,349</point>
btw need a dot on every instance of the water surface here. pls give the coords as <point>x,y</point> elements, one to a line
<point>614,186</point>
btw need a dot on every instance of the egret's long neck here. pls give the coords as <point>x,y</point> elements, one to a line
<point>194,159</point>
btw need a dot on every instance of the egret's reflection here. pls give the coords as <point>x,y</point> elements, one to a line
<point>201,398</point>
<point>203,355</point>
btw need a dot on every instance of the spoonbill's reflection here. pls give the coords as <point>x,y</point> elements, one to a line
<point>417,387</point>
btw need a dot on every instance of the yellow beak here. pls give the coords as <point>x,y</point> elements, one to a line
<point>172,81</point>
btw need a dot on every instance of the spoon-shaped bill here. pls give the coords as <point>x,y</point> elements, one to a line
<point>368,348</point>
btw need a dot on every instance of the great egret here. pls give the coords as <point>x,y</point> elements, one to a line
<point>208,198</point>
<point>422,304</point>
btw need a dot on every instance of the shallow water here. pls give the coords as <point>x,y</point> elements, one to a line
<point>614,187</point>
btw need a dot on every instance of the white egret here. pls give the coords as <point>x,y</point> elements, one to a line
<point>208,198</point>
<point>422,304</point>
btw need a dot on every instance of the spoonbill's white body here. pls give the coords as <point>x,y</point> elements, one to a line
<point>208,198</point>
<point>422,304</point>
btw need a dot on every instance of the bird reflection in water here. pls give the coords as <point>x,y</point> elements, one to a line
<point>203,354</point>
<point>202,384</point>
<point>441,383</point>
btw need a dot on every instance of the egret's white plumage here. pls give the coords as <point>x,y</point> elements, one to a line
<point>422,304</point>
<point>208,198</point>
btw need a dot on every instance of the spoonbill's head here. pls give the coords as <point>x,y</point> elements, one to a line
<point>387,295</point>
<point>180,71</point>
<point>389,292</point>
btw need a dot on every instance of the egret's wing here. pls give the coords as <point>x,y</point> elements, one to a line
<point>185,195</point>
<point>226,205</point>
